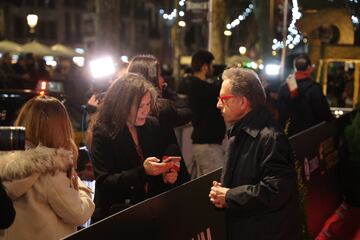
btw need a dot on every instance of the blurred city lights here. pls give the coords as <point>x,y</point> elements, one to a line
<point>240,18</point>
<point>32,20</point>
<point>293,38</point>
<point>50,61</point>
<point>80,61</point>
<point>182,23</point>
<point>227,33</point>
<point>242,50</point>
<point>173,14</point>
<point>355,19</point>
<point>124,59</point>
<point>79,50</point>
<point>102,67</point>
<point>254,65</point>
<point>272,69</point>
<point>14,58</point>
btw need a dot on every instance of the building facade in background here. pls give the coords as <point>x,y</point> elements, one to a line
<point>141,28</point>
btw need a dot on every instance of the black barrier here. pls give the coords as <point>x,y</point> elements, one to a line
<point>317,151</point>
<point>182,213</point>
<point>186,212</point>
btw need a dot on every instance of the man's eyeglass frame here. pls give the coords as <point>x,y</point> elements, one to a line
<point>225,97</point>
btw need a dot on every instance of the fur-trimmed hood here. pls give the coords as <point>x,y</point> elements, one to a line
<point>21,164</point>
<point>19,170</point>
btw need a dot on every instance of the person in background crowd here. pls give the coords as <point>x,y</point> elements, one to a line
<point>209,127</point>
<point>7,213</point>
<point>32,70</point>
<point>42,73</point>
<point>301,101</point>
<point>76,86</point>
<point>172,110</point>
<point>49,199</point>
<point>84,166</point>
<point>258,188</point>
<point>7,72</point>
<point>168,114</point>
<point>22,74</point>
<point>127,148</point>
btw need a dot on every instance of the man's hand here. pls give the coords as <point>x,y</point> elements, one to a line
<point>217,195</point>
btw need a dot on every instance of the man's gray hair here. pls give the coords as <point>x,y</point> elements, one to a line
<point>245,82</point>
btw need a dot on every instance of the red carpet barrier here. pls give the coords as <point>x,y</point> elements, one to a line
<point>317,150</point>
<point>182,213</point>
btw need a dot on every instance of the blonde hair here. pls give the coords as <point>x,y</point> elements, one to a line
<point>47,123</point>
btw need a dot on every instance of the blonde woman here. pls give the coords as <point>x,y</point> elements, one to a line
<point>49,199</point>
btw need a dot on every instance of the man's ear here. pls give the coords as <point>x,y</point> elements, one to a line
<point>204,68</point>
<point>245,103</point>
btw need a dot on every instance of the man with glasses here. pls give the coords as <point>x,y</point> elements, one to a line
<point>258,188</point>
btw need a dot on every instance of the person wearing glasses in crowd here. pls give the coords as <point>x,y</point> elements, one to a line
<point>258,188</point>
<point>127,148</point>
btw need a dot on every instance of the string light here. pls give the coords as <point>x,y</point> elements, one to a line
<point>238,20</point>
<point>355,19</point>
<point>174,14</point>
<point>294,37</point>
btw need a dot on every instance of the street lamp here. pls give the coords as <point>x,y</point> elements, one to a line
<point>242,50</point>
<point>32,20</point>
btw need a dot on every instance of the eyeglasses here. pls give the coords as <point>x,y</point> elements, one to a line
<point>225,97</point>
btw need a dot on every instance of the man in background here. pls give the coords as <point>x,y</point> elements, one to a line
<point>301,101</point>
<point>208,125</point>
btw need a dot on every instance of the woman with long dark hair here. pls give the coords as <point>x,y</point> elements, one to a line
<point>168,113</point>
<point>127,148</point>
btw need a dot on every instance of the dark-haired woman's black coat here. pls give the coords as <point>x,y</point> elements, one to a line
<point>119,172</point>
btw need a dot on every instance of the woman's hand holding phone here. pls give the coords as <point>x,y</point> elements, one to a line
<point>174,160</point>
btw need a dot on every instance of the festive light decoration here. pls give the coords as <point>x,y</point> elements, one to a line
<point>238,20</point>
<point>354,9</point>
<point>355,19</point>
<point>175,14</point>
<point>294,37</point>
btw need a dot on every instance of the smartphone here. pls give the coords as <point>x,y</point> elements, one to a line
<point>175,160</point>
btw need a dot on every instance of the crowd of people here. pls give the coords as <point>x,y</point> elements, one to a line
<point>29,69</point>
<point>134,153</point>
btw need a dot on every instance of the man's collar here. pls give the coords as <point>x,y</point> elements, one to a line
<point>251,123</point>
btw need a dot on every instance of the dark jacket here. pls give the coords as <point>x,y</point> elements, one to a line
<point>262,201</point>
<point>7,213</point>
<point>305,110</point>
<point>183,114</point>
<point>172,116</point>
<point>119,172</point>
<point>209,126</point>
<point>169,117</point>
